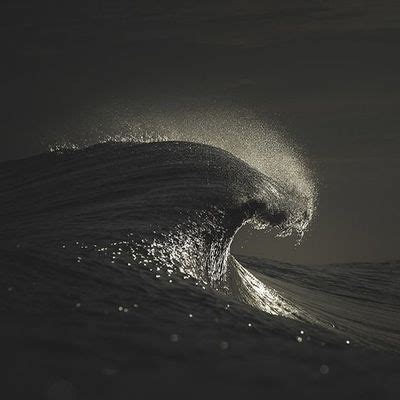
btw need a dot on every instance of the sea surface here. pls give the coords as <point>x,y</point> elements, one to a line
<point>117,282</point>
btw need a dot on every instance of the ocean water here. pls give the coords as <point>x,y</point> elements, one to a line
<point>117,282</point>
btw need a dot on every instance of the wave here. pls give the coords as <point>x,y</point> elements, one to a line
<point>171,208</point>
<point>191,195</point>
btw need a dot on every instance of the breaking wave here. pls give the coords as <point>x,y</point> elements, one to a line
<point>171,208</point>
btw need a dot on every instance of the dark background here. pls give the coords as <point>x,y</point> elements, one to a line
<point>327,71</point>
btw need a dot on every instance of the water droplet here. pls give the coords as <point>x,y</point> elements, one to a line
<point>324,369</point>
<point>174,338</point>
<point>224,345</point>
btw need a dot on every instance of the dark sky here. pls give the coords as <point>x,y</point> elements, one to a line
<point>327,71</point>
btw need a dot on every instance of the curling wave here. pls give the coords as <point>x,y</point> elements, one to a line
<point>170,208</point>
<point>177,203</point>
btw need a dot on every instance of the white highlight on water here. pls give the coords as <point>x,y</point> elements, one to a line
<point>264,145</point>
<point>263,297</point>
